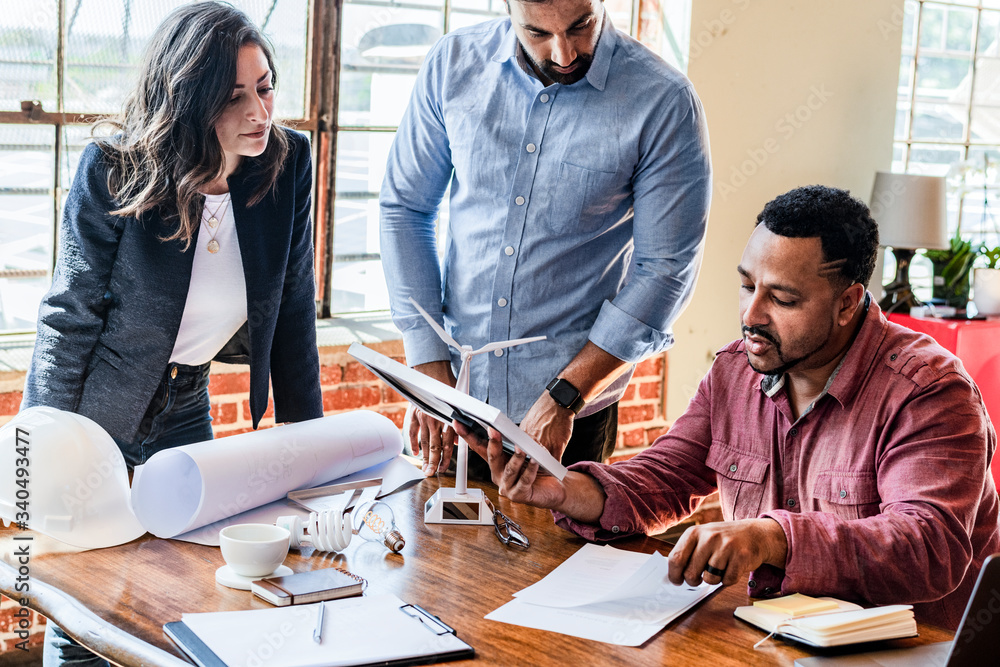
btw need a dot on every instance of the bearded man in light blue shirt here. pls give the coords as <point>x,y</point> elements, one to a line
<point>580,183</point>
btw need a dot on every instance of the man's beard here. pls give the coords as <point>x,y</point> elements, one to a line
<point>787,364</point>
<point>582,61</point>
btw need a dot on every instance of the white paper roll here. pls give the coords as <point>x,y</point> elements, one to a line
<point>187,487</point>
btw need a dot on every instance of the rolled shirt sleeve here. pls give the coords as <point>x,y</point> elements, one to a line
<point>672,192</point>
<point>658,487</point>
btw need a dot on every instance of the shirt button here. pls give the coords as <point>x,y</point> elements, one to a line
<point>509,250</point>
<point>843,493</point>
<point>892,357</point>
<point>794,432</point>
<point>498,353</point>
<point>501,302</point>
<point>791,501</point>
<point>544,98</point>
<point>615,529</point>
<point>768,590</point>
<point>530,148</point>
<point>733,468</point>
<point>520,200</point>
<point>752,583</point>
<point>173,373</point>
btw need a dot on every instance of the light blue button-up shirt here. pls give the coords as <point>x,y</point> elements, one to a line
<point>577,212</point>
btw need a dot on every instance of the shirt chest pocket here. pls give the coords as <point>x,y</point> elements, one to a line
<point>741,477</point>
<point>848,495</point>
<point>584,199</point>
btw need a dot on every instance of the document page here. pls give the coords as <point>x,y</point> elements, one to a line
<point>595,574</point>
<point>605,594</point>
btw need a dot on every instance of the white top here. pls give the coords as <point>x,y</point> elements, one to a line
<point>216,305</point>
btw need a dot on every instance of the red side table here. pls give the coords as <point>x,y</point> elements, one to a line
<point>977,344</point>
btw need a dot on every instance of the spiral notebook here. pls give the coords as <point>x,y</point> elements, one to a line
<point>328,583</point>
<point>371,630</point>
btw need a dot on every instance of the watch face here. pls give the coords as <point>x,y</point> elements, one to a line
<point>564,393</point>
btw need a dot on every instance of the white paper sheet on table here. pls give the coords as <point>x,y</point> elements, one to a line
<point>396,474</point>
<point>184,488</point>
<point>605,594</point>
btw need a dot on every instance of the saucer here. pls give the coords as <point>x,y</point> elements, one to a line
<point>225,576</point>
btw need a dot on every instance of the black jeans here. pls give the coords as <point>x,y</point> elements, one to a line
<point>179,414</point>
<point>593,439</point>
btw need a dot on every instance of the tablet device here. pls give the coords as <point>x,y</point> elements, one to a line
<point>446,403</point>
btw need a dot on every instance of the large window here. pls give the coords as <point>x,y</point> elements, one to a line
<point>948,107</point>
<point>65,61</point>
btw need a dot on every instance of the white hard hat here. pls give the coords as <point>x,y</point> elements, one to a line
<point>63,475</point>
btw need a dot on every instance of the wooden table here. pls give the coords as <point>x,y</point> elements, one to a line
<point>460,573</point>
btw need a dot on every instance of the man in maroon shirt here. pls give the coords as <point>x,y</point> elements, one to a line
<point>851,454</point>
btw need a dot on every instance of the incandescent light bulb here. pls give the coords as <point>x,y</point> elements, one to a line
<point>377,524</point>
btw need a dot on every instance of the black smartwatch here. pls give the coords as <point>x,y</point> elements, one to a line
<point>565,394</point>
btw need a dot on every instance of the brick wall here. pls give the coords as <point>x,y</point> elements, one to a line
<point>10,625</point>
<point>347,385</point>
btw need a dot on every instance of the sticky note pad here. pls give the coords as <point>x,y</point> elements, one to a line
<point>796,605</point>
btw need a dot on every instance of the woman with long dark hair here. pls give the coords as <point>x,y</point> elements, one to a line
<point>186,237</point>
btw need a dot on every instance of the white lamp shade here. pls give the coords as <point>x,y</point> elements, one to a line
<point>910,210</point>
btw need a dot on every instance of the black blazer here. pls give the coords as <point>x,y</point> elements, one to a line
<point>108,324</point>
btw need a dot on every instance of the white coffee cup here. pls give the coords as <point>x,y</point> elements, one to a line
<point>254,549</point>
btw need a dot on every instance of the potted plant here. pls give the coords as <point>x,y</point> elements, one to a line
<point>952,270</point>
<point>986,290</point>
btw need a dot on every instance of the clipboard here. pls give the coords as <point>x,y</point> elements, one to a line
<point>418,637</point>
<point>188,642</point>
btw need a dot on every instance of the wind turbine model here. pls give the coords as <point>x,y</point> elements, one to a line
<point>462,505</point>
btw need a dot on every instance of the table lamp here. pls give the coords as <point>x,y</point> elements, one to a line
<point>911,213</point>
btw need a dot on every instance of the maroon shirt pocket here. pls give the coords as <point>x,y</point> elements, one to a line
<point>740,478</point>
<point>848,495</point>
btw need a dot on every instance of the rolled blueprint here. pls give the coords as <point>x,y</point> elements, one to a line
<point>187,487</point>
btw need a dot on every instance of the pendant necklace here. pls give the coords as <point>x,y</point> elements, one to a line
<point>213,222</point>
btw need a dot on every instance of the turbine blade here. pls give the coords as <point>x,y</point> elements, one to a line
<point>489,347</point>
<point>462,384</point>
